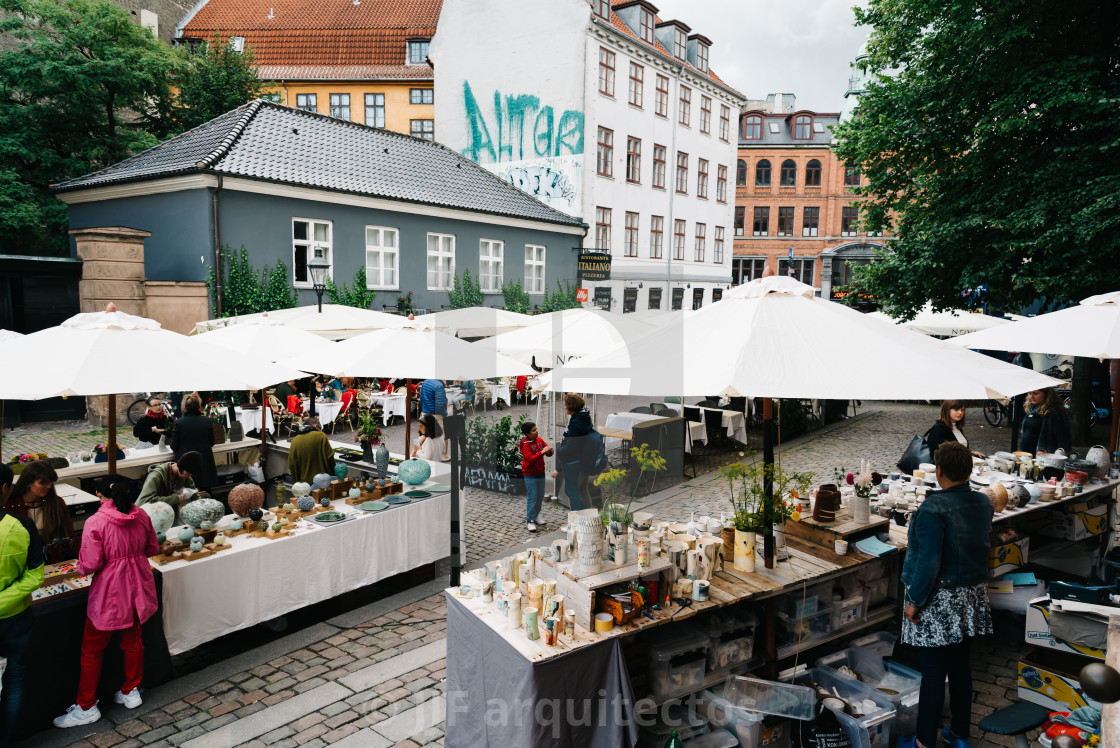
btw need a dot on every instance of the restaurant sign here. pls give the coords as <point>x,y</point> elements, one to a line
<point>594,266</point>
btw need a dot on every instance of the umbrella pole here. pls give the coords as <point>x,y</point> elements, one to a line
<point>768,482</point>
<point>264,429</point>
<point>111,446</point>
<point>407,418</point>
<point>1112,434</point>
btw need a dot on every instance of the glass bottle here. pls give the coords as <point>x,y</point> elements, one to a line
<point>674,741</point>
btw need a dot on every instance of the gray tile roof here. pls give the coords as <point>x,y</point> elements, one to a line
<point>784,136</point>
<point>275,143</point>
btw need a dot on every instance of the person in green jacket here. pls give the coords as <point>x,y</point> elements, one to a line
<point>21,572</point>
<point>311,453</point>
<point>165,482</point>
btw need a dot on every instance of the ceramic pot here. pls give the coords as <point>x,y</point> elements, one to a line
<point>744,551</point>
<point>305,503</point>
<point>382,461</point>
<point>861,509</point>
<point>245,498</point>
<point>618,539</point>
<point>301,489</point>
<point>709,548</point>
<point>236,431</point>
<point>341,470</point>
<point>219,432</point>
<point>414,471</point>
<point>196,544</point>
<point>588,537</point>
<point>827,503</point>
<point>727,535</point>
<point>185,534</point>
<point>322,480</point>
<point>162,515</point>
<point>196,512</point>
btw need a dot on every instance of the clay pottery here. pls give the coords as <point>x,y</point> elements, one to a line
<point>827,503</point>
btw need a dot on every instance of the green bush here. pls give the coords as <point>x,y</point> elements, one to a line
<point>358,296</point>
<point>464,293</point>
<point>564,298</point>
<point>516,298</point>
<point>247,291</point>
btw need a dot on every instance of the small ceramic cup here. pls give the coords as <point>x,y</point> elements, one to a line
<point>700,590</point>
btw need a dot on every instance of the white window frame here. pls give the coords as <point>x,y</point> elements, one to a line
<point>534,268</point>
<point>381,251</point>
<point>338,109</point>
<point>313,247</point>
<point>444,255</point>
<point>491,259</point>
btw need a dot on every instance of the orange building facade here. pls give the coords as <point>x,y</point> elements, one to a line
<point>364,62</point>
<point>794,207</point>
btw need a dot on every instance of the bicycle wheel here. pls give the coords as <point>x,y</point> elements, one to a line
<point>993,413</point>
<point>137,410</point>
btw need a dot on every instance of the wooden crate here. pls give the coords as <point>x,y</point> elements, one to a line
<point>579,590</point>
<point>842,528</point>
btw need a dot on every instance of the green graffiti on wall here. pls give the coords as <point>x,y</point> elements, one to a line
<point>523,128</point>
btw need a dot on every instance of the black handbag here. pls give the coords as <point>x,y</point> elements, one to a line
<point>917,453</point>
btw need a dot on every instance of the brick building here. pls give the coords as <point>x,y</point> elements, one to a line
<point>794,206</point>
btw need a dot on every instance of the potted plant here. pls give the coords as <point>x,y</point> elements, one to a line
<point>616,517</point>
<point>368,435</point>
<point>492,458</point>
<point>755,512</point>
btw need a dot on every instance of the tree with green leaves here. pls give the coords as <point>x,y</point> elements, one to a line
<point>359,296</point>
<point>213,80</point>
<point>245,290</point>
<point>988,141</point>
<point>81,87</point>
<point>465,292</point>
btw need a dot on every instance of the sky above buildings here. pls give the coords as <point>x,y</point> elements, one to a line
<point>803,47</point>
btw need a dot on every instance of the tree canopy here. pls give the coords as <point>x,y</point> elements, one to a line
<point>214,80</point>
<point>989,140</point>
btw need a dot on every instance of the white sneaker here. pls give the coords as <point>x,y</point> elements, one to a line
<point>131,700</point>
<point>75,716</point>
<point>532,527</point>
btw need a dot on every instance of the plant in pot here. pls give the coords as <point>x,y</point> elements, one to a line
<point>754,511</point>
<point>492,456</point>
<point>617,517</point>
<point>368,435</point>
<point>218,420</point>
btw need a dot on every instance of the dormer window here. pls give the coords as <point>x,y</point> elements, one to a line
<point>702,58</point>
<point>680,43</point>
<point>603,8</point>
<point>418,52</point>
<point>802,127</point>
<point>645,25</point>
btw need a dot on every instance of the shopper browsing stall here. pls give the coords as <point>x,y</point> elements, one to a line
<point>194,432</point>
<point>21,572</point>
<point>946,575</point>
<point>116,543</point>
<point>152,425</point>
<point>171,482</point>
<point>1045,428</point>
<point>311,453</point>
<point>570,453</point>
<point>431,445</point>
<point>35,497</point>
<point>948,426</point>
<point>533,451</point>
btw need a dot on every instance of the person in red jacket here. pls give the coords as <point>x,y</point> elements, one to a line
<point>533,450</point>
<point>116,543</point>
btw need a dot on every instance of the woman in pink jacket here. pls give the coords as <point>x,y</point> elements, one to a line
<point>116,543</point>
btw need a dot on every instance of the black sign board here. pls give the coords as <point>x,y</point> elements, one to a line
<point>717,294</point>
<point>697,298</point>
<point>603,297</point>
<point>655,298</point>
<point>595,266</point>
<point>629,300</point>
<point>678,299</point>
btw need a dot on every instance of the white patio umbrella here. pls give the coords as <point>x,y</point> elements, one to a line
<point>946,323</point>
<point>265,337</point>
<point>410,352</point>
<point>9,335</point>
<point>103,353</point>
<point>1090,329</point>
<point>557,337</point>
<point>475,321</point>
<point>335,322</point>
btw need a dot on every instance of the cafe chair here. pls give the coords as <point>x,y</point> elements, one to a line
<point>281,418</point>
<point>661,409</point>
<point>642,409</point>
<point>482,394</point>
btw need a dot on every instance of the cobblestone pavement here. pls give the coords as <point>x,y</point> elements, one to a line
<point>374,676</point>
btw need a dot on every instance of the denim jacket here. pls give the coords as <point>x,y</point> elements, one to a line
<point>947,543</point>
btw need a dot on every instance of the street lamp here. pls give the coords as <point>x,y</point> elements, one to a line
<point>318,268</point>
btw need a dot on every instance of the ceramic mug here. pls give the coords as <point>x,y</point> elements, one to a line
<point>551,629</point>
<point>559,551</point>
<point>700,590</point>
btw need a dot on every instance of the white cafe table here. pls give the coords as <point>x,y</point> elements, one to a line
<point>326,411</point>
<point>251,419</point>
<point>626,421</point>
<point>733,422</point>
<point>391,405</point>
<point>498,391</point>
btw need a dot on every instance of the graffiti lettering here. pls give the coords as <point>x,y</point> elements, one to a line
<point>544,182</point>
<point>548,137</point>
<point>494,480</point>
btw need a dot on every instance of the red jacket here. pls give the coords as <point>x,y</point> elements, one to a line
<point>532,456</point>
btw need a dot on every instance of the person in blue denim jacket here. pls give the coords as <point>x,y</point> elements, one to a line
<point>946,580</point>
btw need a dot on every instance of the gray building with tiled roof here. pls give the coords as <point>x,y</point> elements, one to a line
<point>293,186</point>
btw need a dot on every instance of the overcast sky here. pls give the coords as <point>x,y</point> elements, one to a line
<point>759,47</point>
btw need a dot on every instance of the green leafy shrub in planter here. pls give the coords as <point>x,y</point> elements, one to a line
<point>492,458</point>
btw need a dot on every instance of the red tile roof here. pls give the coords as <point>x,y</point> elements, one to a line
<point>314,35</point>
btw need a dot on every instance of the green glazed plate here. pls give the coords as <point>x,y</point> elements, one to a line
<point>374,506</point>
<point>330,517</point>
<point>417,494</point>
<point>438,488</point>
<point>397,500</point>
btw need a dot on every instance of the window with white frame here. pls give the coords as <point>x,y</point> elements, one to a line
<point>490,253</point>
<point>307,102</point>
<point>375,109</point>
<point>340,105</point>
<point>534,268</point>
<point>441,261</point>
<point>382,252</point>
<point>311,240</point>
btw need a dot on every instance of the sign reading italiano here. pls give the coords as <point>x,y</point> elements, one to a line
<point>594,266</point>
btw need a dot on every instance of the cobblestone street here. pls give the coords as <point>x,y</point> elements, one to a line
<point>374,676</point>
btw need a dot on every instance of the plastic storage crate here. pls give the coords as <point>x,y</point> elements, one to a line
<point>899,684</point>
<point>873,727</point>
<point>678,658</point>
<point>881,643</point>
<point>747,726</point>
<point>686,722</point>
<point>770,697</point>
<point>801,604</point>
<point>730,638</point>
<point>847,612</point>
<point>804,630</point>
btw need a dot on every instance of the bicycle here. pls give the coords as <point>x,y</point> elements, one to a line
<point>1096,412</point>
<point>139,407</point>
<point>995,412</point>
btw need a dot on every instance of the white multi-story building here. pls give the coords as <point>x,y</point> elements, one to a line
<point>607,113</point>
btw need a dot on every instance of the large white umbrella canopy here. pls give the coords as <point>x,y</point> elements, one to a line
<point>475,321</point>
<point>9,335</point>
<point>335,322</point>
<point>1090,329</point>
<point>558,337</point>
<point>946,323</point>
<point>774,338</point>
<point>265,338</point>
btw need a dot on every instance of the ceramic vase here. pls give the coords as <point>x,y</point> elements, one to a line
<point>531,630</point>
<point>827,503</point>
<point>861,509</point>
<point>744,551</point>
<point>341,470</point>
<point>382,461</point>
<point>618,537</point>
<point>414,471</point>
<point>588,539</point>
<point>236,431</point>
<point>709,548</point>
<point>727,535</point>
<point>513,609</point>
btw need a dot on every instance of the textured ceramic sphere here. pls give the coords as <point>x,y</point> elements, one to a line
<point>161,538</point>
<point>202,510</point>
<point>355,492</point>
<point>185,534</point>
<point>414,472</point>
<point>301,489</point>
<point>321,481</point>
<point>256,514</point>
<point>246,497</point>
<point>162,515</point>
<point>206,525</point>
<point>220,539</point>
<point>263,525</point>
<point>288,508</point>
<point>196,543</point>
<point>236,524</point>
<point>325,501</point>
<point>305,503</point>
<point>1034,491</point>
<point>341,470</point>
<point>276,527</point>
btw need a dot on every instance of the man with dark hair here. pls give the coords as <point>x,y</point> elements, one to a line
<point>955,463</point>
<point>21,572</point>
<point>310,453</point>
<point>152,425</point>
<point>170,482</point>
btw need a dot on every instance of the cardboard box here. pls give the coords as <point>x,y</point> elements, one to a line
<point>1005,558</point>
<point>1077,525</point>
<point>1038,632</point>
<point>1049,679</point>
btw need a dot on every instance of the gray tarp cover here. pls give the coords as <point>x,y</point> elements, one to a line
<point>493,692</point>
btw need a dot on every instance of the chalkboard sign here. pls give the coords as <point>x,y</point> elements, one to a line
<point>629,300</point>
<point>492,479</point>
<point>603,297</point>
<point>678,299</point>
<point>655,298</point>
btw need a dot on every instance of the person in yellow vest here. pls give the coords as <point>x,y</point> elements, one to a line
<point>311,453</point>
<point>21,572</point>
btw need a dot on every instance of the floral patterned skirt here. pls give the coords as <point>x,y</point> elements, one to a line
<point>950,615</point>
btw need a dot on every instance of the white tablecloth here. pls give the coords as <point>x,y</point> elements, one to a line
<point>626,421</point>
<point>326,411</point>
<point>734,423</point>
<point>391,405</point>
<point>259,579</point>
<point>251,419</point>
<point>498,392</point>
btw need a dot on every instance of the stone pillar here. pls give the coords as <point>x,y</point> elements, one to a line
<point>112,270</point>
<point>177,305</point>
